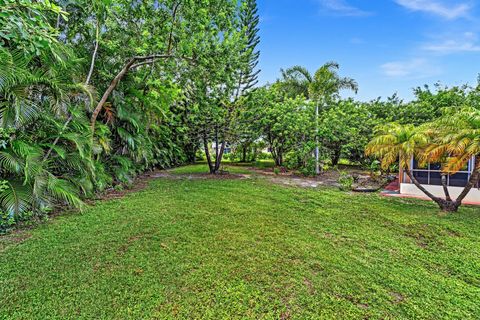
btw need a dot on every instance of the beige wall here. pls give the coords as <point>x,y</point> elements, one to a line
<point>411,189</point>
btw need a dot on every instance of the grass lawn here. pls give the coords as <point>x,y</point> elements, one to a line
<point>245,249</point>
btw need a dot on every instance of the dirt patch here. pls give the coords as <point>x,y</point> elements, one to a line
<point>309,285</point>
<point>328,178</point>
<point>302,182</point>
<point>397,298</point>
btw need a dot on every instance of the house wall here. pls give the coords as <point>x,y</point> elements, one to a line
<point>411,189</point>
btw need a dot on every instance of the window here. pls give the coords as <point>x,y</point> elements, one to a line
<point>431,174</point>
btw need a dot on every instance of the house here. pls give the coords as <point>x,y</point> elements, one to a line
<point>430,177</point>
<point>227,150</point>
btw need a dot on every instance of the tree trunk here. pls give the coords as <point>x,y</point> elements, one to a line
<point>254,154</point>
<point>445,205</point>
<point>449,206</point>
<point>131,64</point>
<point>216,145</point>
<point>445,187</point>
<point>94,55</point>
<point>218,161</point>
<point>207,154</point>
<point>278,156</point>
<point>107,93</point>
<point>474,178</point>
<point>244,154</point>
<point>337,152</point>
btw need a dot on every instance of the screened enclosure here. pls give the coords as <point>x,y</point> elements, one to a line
<point>431,174</point>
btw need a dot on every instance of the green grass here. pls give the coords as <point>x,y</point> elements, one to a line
<point>234,168</point>
<point>245,249</point>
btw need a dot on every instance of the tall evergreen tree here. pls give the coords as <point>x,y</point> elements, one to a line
<point>249,21</point>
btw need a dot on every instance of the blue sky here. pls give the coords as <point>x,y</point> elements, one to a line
<point>388,46</point>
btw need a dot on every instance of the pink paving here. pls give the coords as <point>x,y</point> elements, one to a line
<point>393,186</point>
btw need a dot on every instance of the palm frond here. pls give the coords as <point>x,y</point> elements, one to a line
<point>16,198</point>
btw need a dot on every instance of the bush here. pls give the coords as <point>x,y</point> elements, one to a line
<point>264,156</point>
<point>200,155</point>
<point>309,168</point>
<point>346,181</point>
<point>6,222</point>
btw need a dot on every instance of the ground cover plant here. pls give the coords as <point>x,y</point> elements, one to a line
<point>187,248</point>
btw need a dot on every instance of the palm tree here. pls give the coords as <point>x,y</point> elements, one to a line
<point>31,95</point>
<point>452,141</point>
<point>321,87</point>
<point>296,81</point>
<point>31,185</point>
<point>395,142</point>
<point>455,139</point>
<point>324,84</point>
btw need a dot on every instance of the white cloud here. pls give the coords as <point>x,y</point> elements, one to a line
<point>341,7</point>
<point>413,68</point>
<point>467,42</point>
<point>459,10</point>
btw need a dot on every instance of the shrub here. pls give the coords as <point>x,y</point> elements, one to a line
<point>346,181</point>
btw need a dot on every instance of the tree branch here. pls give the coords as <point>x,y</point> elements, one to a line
<point>134,62</point>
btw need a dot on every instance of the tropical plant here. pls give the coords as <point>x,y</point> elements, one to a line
<point>165,69</point>
<point>451,141</point>
<point>322,87</point>
<point>455,140</point>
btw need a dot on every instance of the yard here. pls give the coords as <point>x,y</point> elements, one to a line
<point>194,247</point>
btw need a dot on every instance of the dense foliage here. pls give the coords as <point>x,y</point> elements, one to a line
<point>283,115</point>
<point>93,93</point>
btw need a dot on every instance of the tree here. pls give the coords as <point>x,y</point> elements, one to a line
<point>281,122</point>
<point>345,128</point>
<point>248,72</point>
<point>322,88</point>
<point>222,79</point>
<point>166,72</point>
<point>454,140</point>
<point>451,141</point>
<point>248,75</point>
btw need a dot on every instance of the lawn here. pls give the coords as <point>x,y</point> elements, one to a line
<point>245,249</point>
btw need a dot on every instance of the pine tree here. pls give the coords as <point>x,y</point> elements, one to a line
<point>249,21</point>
